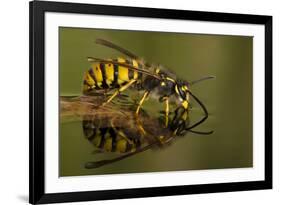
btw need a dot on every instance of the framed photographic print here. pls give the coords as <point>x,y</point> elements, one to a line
<point>140,102</point>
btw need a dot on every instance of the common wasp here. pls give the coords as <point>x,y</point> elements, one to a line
<point>132,72</point>
<point>123,133</point>
<point>133,131</point>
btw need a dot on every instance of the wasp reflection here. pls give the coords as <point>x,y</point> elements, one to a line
<point>115,128</point>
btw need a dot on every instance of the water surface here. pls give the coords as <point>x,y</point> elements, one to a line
<point>228,98</point>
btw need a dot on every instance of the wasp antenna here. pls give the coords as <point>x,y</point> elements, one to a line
<point>97,164</point>
<point>92,165</point>
<point>202,133</point>
<point>203,108</point>
<point>202,79</point>
<point>99,40</point>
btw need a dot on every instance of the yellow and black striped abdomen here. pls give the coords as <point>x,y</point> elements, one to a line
<point>109,75</point>
<point>110,139</point>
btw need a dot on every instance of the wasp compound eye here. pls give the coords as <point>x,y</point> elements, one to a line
<point>179,90</point>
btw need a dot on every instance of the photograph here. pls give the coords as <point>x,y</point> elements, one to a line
<point>130,102</point>
<point>148,101</point>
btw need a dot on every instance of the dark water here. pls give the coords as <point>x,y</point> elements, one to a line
<point>228,98</point>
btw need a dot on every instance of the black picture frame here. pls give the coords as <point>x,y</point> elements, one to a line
<point>37,9</point>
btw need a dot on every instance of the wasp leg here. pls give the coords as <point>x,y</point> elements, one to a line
<point>121,89</point>
<point>165,99</point>
<point>121,134</point>
<point>140,127</point>
<point>146,93</point>
<point>167,110</point>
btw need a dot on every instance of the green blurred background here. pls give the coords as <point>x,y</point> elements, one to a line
<point>228,98</point>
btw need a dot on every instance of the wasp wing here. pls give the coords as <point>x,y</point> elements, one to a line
<point>146,72</point>
<point>121,50</point>
<point>75,108</point>
<point>116,47</point>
